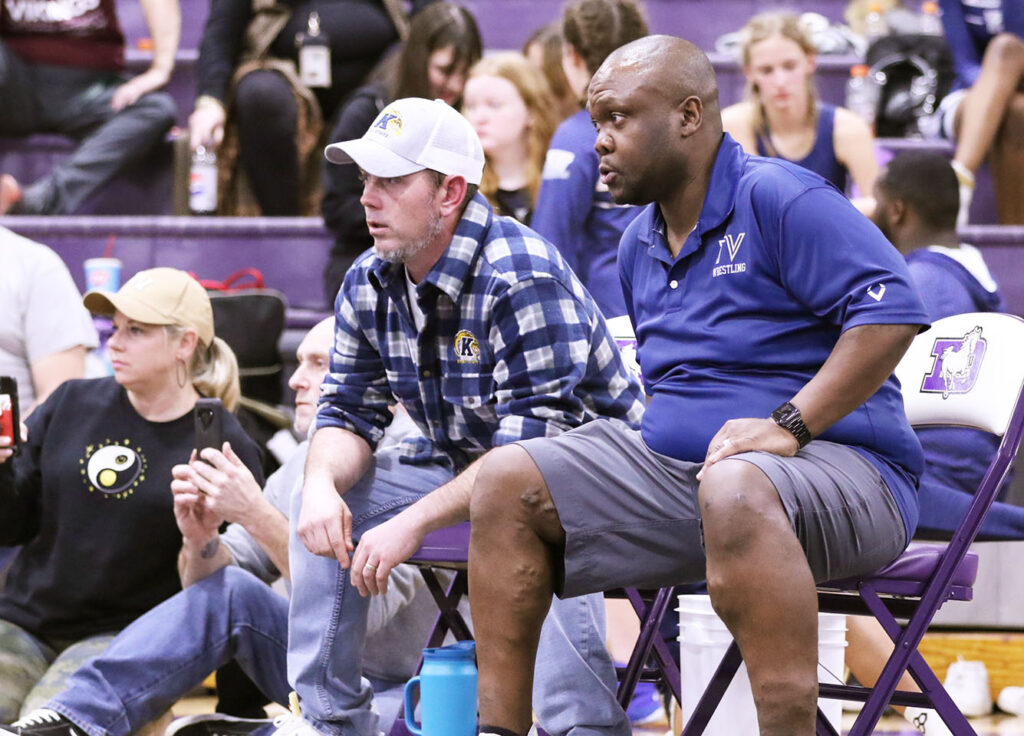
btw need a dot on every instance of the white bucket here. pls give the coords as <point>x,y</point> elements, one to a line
<point>703,639</point>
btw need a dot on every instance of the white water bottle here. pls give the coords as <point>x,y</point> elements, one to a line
<point>931,21</point>
<point>875,23</point>
<point>202,182</point>
<point>862,93</point>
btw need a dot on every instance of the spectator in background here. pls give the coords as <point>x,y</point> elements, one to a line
<point>917,202</point>
<point>89,497</point>
<point>45,332</point>
<point>443,43</point>
<point>62,71</point>
<point>782,116</point>
<point>985,113</point>
<point>574,210</point>
<point>227,610</point>
<point>508,103</point>
<point>544,50</point>
<point>264,109</point>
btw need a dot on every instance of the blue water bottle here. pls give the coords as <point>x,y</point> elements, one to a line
<point>447,684</point>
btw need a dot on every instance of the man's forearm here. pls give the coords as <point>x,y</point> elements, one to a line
<point>269,528</point>
<point>862,359</point>
<point>337,455</point>
<point>196,561</point>
<point>448,504</point>
<point>164,20</point>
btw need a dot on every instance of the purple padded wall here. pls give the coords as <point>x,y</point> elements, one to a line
<point>291,252</point>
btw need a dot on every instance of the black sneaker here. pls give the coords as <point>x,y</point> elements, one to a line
<point>43,722</point>
<point>215,724</point>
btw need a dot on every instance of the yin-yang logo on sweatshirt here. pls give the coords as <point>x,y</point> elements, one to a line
<point>113,468</point>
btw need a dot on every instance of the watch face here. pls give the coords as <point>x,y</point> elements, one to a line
<point>783,413</point>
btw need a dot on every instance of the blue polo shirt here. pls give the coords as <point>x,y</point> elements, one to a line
<point>779,265</point>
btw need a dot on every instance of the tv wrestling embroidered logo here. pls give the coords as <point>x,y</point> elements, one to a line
<point>729,245</point>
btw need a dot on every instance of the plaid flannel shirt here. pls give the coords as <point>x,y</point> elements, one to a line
<point>513,347</point>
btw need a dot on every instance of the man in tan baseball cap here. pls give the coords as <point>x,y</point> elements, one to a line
<point>159,296</point>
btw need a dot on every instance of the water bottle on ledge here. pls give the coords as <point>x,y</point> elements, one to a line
<point>931,20</point>
<point>876,24</point>
<point>862,93</point>
<point>202,182</point>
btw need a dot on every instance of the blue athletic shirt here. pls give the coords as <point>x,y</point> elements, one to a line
<point>575,212</point>
<point>969,25</point>
<point>779,265</point>
<point>822,157</point>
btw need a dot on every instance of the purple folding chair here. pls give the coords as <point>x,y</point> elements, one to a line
<point>444,549</point>
<point>968,370</point>
<point>650,660</point>
<point>448,548</point>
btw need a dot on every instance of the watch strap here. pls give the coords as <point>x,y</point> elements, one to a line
<point>789,418</point>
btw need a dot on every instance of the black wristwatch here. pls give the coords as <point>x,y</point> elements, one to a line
<point>788,417</point>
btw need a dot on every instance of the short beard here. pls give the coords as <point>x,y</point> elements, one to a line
<point>409,250</point>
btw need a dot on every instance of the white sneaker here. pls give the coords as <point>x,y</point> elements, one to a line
<point>1011,700</point>
<point>927,722</point>
<point>287,724</point>
<point>967,684</point>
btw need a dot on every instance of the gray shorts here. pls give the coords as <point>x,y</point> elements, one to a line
<point>632,519</point>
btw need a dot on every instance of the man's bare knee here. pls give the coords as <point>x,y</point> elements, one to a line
<point>736,499</point>
<point>509,487</point>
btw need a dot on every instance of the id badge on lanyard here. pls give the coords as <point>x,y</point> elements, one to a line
<point>314,54</point>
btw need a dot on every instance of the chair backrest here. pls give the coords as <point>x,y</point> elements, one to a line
<point>967,370</point>
<point>622,332</point>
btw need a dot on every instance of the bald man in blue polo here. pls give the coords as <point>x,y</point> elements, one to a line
<point>774,451</point>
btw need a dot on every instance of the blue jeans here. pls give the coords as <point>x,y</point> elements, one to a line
<point>151,664</point>
<point>327,626</point>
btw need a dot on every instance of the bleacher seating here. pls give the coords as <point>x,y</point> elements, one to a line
<point>983,204</point>
<point>142,189</point>
<point>290,251</point>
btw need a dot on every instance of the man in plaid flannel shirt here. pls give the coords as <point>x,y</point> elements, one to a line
<point>479,329</point>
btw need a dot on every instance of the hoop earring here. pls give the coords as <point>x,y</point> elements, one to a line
<point>183,379</point>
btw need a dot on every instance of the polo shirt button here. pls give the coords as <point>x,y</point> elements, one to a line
<point>673,284</point>
<point>426,374</point>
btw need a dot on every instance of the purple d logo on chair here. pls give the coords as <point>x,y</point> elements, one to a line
<point>957,362</point>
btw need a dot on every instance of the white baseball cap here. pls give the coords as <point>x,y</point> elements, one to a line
<point>413,134</point>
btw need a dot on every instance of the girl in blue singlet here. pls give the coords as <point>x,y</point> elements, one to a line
<point>782,116</point>
<point>985,113</point>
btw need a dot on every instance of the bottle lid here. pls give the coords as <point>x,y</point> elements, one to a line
<point>930,7</point>
<point>875,7</point>
<point>859,70</point>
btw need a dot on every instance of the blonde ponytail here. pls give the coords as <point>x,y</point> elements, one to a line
<point>214,372</point>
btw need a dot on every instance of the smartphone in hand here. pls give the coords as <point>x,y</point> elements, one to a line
<point>10,421</point>
<point>209,422</point>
